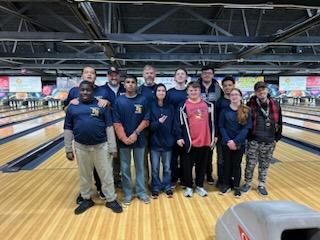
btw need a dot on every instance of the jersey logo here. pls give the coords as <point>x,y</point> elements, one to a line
<point>138,108</point>
<point>198,114</point>
<point>95,112</point>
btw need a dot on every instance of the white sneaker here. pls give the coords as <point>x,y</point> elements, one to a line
<point>201,191</point>
<point>188,192</point>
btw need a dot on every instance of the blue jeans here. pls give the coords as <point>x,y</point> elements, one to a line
<point>125,160</point>
<point>156,183</point>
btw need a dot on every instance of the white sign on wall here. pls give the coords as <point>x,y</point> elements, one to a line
<point>292,83</point>
<point>25,84</point>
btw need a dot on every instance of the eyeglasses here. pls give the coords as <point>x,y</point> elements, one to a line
<point>207,73</point>
<point>234,94</point>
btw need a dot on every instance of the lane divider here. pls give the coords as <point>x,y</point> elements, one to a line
<point>38,153</point>
<point>30,130</point>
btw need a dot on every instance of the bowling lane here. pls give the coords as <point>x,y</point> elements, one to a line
<point>301,135</point>
<point>24,116</point>
<point>310,109</point>
<point>17,128</point>
<point>5,108</point>
<point>308,112</point>
<point>22,111</point>
<point>22,145</point>
<point>300,115</point>
<point>301,123</point>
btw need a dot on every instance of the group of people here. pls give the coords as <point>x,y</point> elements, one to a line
<point>179,127</point>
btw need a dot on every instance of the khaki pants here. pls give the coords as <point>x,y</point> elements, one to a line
<point>88,157</point>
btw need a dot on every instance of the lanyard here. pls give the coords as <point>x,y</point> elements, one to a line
<point>265,113</point>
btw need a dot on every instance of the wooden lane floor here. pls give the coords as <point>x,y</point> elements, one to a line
<point>302,116</point>
<point>314,109</point>
<point>19,146</point>
<point>301,135</point>
<point>308,112</point>
<point>11,109</point>
<point>25,116</point>
<point>20,111</point>
<point>301,123</point>
<point>17,128</point>
<point>39,204</point>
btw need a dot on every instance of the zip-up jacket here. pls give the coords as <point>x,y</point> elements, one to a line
<point>182,129</point>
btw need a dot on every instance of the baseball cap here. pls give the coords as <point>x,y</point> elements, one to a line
<point>260,85</point>
<point>113,70</point>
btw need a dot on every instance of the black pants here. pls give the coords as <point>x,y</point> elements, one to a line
<point>209,164</point>
<point>177,160</point>
<point>232,165</point>
<point>198,156</point>
<point>219,162</point>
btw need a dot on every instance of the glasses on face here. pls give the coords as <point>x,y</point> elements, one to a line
<point>234,94</point>
<point>207,73</point>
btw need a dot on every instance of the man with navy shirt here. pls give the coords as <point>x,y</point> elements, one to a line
<point>91,128</point>
<point>177,97</point>
<point>131,116</point>
<point>115,88</point>
<point>88,73</point>
<point>211,92</point>
<point>147,89</point>
<point>228,83</point>
<point>114,83</point>
<point>149,85</point>
<point>104,99</point>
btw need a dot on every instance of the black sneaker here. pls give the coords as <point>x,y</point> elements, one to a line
<point>210,180</point>
<point>83,206</point>
<point>224,190</point>
<point>237,192</point>
<point>79,199</point>
<point>154,195</point>
<point>114,206</point>
<point>245,187</point>
<point>169,194</point>
<point>118,184</point>
<point>101,195</point>
<point>262,191</point>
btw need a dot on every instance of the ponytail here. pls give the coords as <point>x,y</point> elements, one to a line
<point>242,114</point>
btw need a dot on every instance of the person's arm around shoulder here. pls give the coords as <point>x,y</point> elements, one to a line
<point>71,99</point>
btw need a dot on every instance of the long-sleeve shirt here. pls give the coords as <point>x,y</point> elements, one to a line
<point>131,114</point>
<point>176,97</point>
<point>98,92</point>
<point>89,124</point>
<point>162,138</point>
<point>230,129</point>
